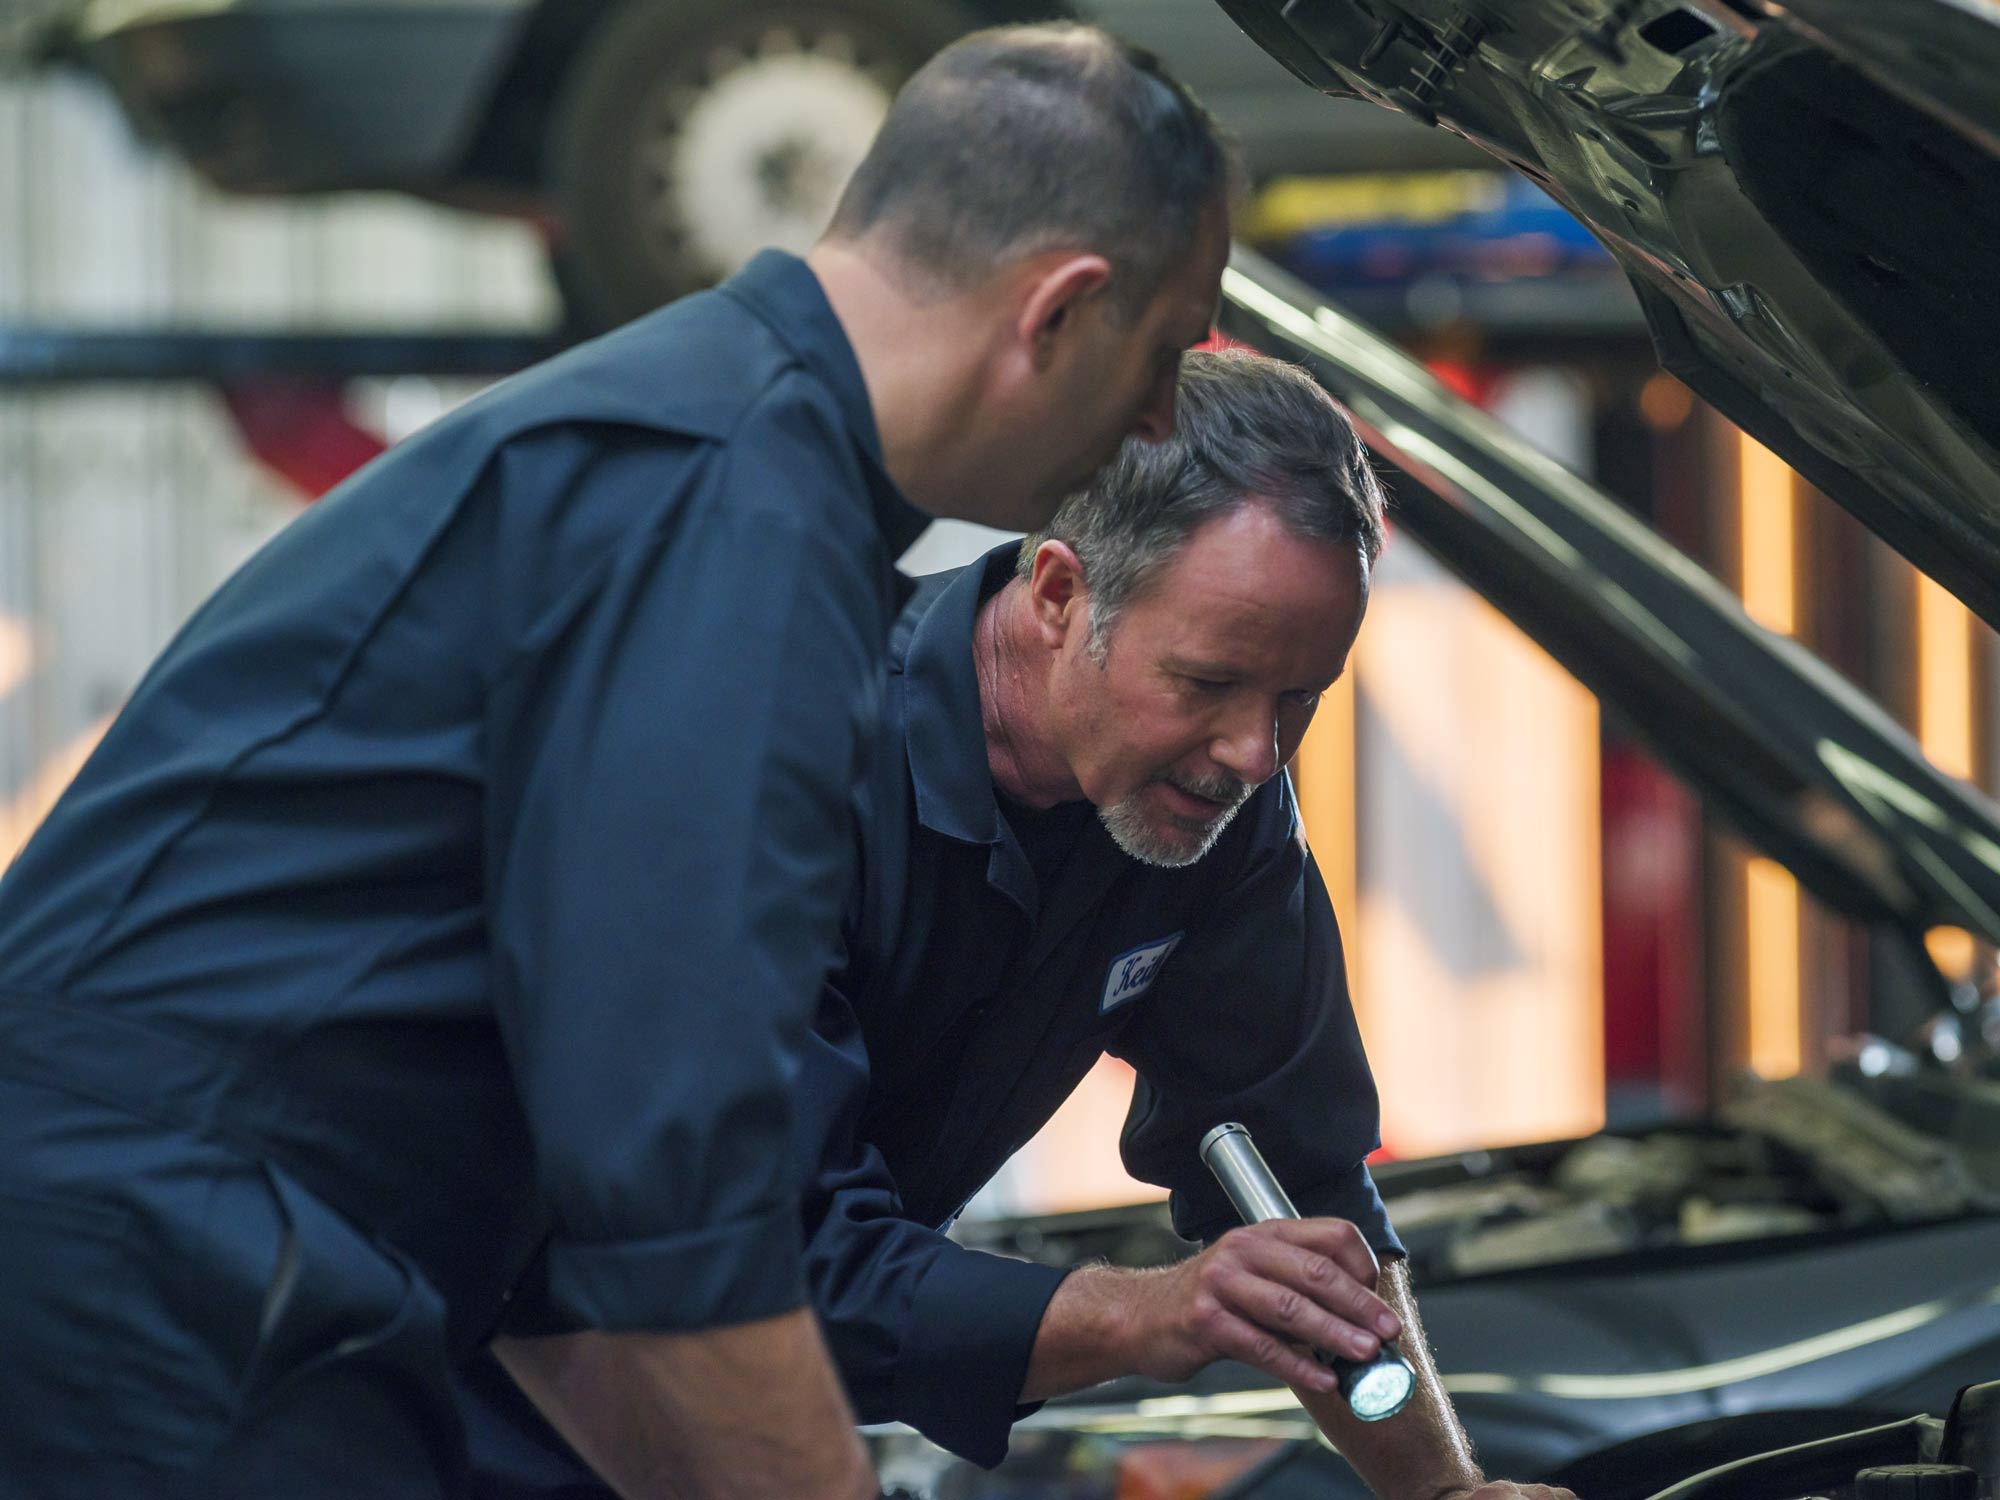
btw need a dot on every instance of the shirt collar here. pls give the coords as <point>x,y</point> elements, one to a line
<point>782,291</point>
<point>944,728</point>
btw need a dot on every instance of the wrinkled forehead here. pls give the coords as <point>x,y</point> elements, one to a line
<point>1255,595</point>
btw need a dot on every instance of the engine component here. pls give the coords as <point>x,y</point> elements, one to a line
<point>1864,1156</point>
<point>1916,1482</point>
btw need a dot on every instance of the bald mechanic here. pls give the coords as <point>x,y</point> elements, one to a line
<point>1077,839</point>
<point>459,884</point>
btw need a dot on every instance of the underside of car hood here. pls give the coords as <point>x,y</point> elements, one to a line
<point>1797,759</point>
<point>1806,198</point>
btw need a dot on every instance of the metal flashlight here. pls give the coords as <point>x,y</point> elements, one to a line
<point>1374,1388</point>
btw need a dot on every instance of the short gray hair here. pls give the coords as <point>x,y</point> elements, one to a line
<point>1247,430</point>
<point>1021,139</point>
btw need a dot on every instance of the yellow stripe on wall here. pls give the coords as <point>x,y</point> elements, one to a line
<point>1944,679</point>
<point>1771,946</point>
<point>1765,490</point>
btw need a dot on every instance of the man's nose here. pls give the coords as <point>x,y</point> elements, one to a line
<point>1249,750</point>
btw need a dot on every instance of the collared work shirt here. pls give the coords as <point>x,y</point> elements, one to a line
<point>472,859</point>
<point>971,1002</point>
<point>968,1005</point>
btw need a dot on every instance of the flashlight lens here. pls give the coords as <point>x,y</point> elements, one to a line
<point>1381,1390</point>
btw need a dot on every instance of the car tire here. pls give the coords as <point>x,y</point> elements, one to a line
<point>690,133</point>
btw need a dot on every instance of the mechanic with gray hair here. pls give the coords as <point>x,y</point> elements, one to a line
<point>1078,838</point>
<point>453,896</point>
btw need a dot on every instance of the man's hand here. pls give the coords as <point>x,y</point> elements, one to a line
<point>1258,1294</point>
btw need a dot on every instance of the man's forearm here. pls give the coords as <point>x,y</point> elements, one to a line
<point>1422,1452</point>
<point>1082,1339</point>
<point>753,1412</point>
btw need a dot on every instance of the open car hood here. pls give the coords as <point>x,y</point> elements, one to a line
<point>1805,195</point>
<point>1801,762</point>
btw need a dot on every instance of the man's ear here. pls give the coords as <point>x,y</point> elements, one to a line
<point>1055,293</point>
<point>1058,597</point>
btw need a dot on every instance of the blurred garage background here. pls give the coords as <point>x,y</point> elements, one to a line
<point>242,245</point>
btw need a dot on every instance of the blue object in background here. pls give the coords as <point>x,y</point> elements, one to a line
<point>1375,231</point>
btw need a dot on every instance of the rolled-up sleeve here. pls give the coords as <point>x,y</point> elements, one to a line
<point>674,747</point>
<point>923,1330</point>
<point>1250,1020</point>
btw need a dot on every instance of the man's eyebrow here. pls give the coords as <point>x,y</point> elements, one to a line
<point>1189,666</point>
<point>1198,667</point>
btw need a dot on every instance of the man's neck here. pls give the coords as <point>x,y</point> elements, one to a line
<point>1014,703</point>
<point>921,386</point>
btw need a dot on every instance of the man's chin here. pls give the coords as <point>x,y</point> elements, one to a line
<point>1166,840</point>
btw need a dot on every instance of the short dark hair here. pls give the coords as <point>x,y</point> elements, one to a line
<point>1018,139</point>
<point>1247,429</point>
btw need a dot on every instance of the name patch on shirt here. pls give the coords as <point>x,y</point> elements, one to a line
<point>1132,972</point>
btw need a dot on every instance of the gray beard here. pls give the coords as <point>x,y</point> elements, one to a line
<point>1138,836</point>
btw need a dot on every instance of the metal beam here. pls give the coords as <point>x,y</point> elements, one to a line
<point>43,356</point>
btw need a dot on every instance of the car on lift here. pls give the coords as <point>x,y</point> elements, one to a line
<point>658,143</point>
<point>1805,198</point>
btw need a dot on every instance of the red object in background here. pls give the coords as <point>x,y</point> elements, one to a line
<point>1652,930</point>
<point>1474,383</point>
<point>300,431</point>
<point>1217,341</point>
<point>1188,1471</point>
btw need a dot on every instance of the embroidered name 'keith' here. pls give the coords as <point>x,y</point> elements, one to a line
<point>1132,972</point>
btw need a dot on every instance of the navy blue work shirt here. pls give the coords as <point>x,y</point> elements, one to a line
<point>472,859</point>
<point>971,1001</point>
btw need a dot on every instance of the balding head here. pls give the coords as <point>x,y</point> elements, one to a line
<point>1025,139</point>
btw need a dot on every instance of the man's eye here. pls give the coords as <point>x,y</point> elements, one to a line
<point>1208,684</point>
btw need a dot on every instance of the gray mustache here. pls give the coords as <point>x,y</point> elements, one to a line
<point>1225,789</point>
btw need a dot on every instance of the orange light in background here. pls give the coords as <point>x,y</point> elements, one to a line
<point>1479,1041</point>
<point>1944,679</point>
<point>1771,896</point>
<point>1764,487</point>
<point>1771,946</point>
<point>17,653</point>
<point>1953,950</point>
<point>1323,771</point>
<point>1664,403</point>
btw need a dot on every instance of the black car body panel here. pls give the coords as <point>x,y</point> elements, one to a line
<point>1282,130</point>
<point>1806,200</point>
